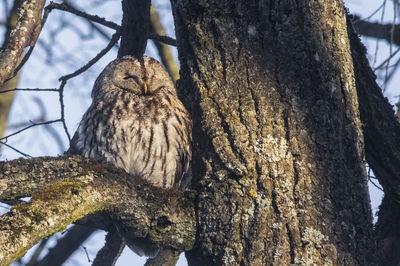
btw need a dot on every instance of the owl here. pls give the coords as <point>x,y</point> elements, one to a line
<point>137,123</point>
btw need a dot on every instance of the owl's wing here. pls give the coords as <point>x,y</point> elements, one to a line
<point>73,148</point>
<point>183,172</point>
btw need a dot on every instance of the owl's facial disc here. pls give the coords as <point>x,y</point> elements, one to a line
<point>133,83</point>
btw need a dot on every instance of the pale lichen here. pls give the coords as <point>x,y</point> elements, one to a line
<point>314,236</point>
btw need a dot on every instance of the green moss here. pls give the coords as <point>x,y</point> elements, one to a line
<point>21,252</point>
<point>21,206</point>
<point>16,233</point>
<point>34,214</point>
<point>37,215</point>
<point>58,190</point>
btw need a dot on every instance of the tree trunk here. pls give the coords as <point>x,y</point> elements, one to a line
<point>278,153</point>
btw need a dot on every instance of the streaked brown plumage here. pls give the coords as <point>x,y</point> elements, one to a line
<point>137,122</point>
<point>147,134</point>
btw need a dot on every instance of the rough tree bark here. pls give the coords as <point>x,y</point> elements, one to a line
<point>278,152</point>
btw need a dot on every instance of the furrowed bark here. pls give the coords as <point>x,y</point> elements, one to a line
<point>278,152</point>
<point>162,216</point>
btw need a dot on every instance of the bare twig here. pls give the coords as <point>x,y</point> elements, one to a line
<point>163,39</point>
<point>30,89</point>
<point>375,185</point>
<point>387,60</point>
<point>102,21</point>
<point>39,119</point>
<point>65,78</point>
<point>61,99</point>
<point>87,254</point>
<point>72,10</point>
<point>67,245</point>
<point>28,127</point>
<point>16,150</point>
<point>56,137</point>
<point>112,42</point>
<point>391,41</point>
<point>394,68</point>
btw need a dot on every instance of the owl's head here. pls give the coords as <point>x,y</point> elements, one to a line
<point>142,77</point>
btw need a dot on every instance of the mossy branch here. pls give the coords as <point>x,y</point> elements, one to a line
<point>162,216</point>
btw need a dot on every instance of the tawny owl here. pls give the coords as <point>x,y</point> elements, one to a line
<point>137,122</point>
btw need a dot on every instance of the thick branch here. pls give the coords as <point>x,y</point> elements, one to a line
<point>24,34</point>
<point>22,177</point>
<point>381,129</point>
<point>377,30</point>
<point>135,27</point>
<point>7,99</point>
<point>162,216</point>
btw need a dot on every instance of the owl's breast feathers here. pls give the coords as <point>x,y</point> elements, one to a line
<point>149,137</point>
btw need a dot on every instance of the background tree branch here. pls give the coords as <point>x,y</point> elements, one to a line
<point>24,34</point>
<point>381,128</point>
<point>164,217</point>
<point>382,138</point>
<point>164,51</point>
<point>66,246</point>
<point>388,32</point>
<point>111,251</point>
<point>7,99</point>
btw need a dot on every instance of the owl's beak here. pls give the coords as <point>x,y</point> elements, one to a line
<point>144,88</point>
